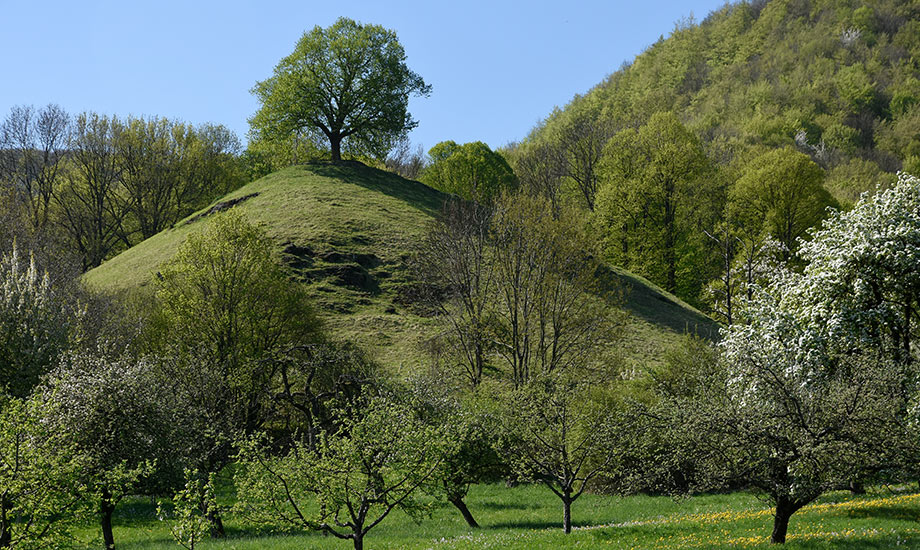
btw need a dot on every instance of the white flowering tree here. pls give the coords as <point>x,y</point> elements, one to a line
<point>36,324</point>
<point>793,419</point>
<point>814,385</point>
<point>115,414</point>
<point>862,276</point>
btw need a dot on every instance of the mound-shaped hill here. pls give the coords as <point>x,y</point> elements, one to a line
<point>347,232</point>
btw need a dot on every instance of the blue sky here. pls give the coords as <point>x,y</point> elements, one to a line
<point>497,67</point>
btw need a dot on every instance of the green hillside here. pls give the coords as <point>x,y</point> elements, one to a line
<point>347,231</point>
<point>838,80</point>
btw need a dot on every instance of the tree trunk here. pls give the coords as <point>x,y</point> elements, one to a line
<point>335,142</point>
<point>784,510</point>
<point>106,510</point>
<point>358,539</point>
<point>6,535</point>
<point>567,514</point>
<point>217,525</point>
<point>857,488</point>
<point>460,505</point>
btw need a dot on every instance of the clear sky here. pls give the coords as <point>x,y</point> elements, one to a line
<point>497,67</point>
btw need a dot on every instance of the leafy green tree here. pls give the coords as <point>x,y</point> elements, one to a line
<point>192,507</point>
<point>348,84</point>
<point>580,133</point>
<point>471,171</point>
<point>781,193</point>
<point>472,422</point>
<point>226,293</point>
<point>170,169</point>
<point>559,430</point>
<point>39,480</point>
<point>374,462</point>
<point>656,196</point>
<point>225,305</point>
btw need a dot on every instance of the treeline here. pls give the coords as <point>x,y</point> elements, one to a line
<point>98,184</point>
<point>747,125</point>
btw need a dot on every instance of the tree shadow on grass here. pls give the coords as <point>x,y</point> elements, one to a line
<point>414,193</point>
<point>898,513</point>
<point>525,524</point>
<point>649,303</point>
<point>505,506</point>
<point>875,543</point>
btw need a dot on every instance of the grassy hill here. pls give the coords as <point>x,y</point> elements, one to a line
<point>347,232</point>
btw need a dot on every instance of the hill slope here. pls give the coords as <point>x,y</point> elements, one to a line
<point>347,231</point>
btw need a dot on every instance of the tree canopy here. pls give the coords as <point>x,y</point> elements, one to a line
<point>348,84</point>
<point>472,171</point>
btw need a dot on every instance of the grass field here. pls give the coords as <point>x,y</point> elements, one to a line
<point>528,517</point>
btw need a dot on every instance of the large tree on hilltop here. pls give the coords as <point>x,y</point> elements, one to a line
<point>348,83</point>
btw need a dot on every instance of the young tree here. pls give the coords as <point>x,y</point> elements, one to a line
<point>193,505</point>
<point>455,256</point>
<point>559,430</point>
<point>39,479</point>
<point>473,424</point>
<point>471,171</point>
<point>375,461</point>
<point>348,83</point>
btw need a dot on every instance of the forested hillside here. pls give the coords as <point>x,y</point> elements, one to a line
<point>667,154</point>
